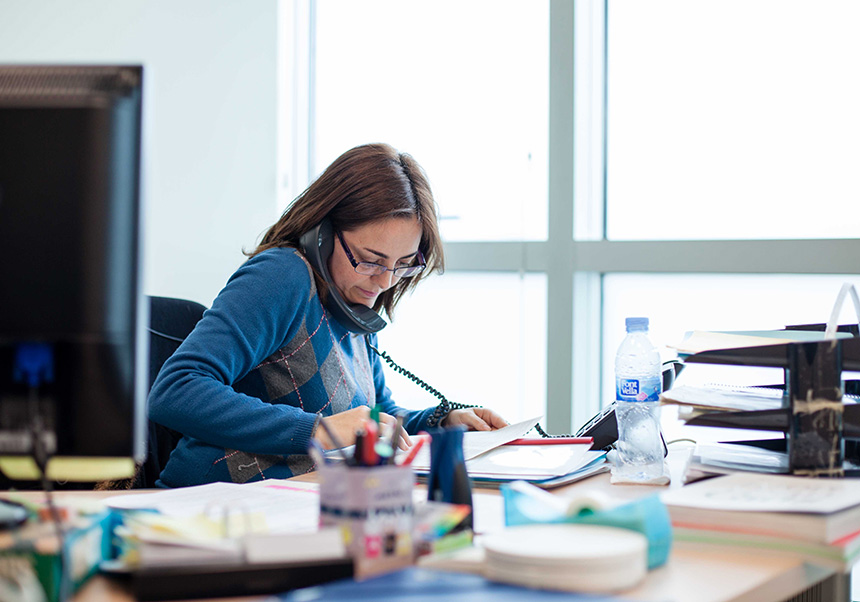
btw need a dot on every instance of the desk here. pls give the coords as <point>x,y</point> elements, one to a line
<point>690,575</point>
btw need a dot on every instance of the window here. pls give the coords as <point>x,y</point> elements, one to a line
<point>466,93</point>
<point>678,303</point>
<point>479,338</point>
<point>462,86</point>
<point>732,119</point>
<point>594,159</point>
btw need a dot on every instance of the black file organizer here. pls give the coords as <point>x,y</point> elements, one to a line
<point>822,432</point>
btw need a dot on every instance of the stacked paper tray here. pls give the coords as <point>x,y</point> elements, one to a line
<point>585,558</point>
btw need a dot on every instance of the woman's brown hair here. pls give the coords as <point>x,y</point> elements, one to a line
<point>365,184</point>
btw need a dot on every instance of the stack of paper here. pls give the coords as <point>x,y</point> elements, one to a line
<point>698,341</point>
<point>223,522</point>
<point>585,558</point>
<point>815,519</point>
<point>490,458</point>
<point>721,407</point>
<point>724,399</point>
<point>225,539</point>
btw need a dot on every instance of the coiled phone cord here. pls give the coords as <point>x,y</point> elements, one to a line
<point>445,406</point>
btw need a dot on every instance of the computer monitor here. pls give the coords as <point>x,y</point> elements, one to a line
<point>73,356</point>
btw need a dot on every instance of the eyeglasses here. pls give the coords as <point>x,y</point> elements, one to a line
<point>366,268</point>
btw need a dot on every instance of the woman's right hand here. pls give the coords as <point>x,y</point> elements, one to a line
<point>343,425</point>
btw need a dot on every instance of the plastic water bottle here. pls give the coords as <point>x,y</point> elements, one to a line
<point>638,384</point>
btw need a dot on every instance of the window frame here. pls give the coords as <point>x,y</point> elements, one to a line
<point>576,254</point>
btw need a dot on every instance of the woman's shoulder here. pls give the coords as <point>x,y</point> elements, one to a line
<point>276,283</point>
<point>280,264</point>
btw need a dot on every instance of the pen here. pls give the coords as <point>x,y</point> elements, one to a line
<point>368,454</point>
<point>358,450</point>
<point>316,452</point>
<point>551,441</point>
<point>395,438</point>
<point>413,452</point>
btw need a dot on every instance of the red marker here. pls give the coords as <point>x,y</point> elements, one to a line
<point>414,451</point>
<point>369,457</point>
<point>551,441</point>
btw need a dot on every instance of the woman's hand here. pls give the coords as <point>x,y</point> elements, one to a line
<point>476,419</point>
<point>344,426</point>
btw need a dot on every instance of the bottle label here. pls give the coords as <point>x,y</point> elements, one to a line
<point>638,389</point>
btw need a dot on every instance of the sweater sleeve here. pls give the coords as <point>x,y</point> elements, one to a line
<point>414,421</point>
<point>262,306</point>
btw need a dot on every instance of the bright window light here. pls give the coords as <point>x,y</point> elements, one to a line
<point>462,86</point>
<point>479,338</point>
<point>730,119</point>
<point>678,303</point>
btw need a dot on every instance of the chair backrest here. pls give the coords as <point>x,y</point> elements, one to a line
<point>170,321</point>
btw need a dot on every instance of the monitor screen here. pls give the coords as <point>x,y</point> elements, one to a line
<point>73,355</point>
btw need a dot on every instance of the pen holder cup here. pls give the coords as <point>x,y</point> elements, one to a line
<point>373,505</point>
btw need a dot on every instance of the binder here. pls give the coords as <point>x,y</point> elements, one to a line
<point>821,431</point>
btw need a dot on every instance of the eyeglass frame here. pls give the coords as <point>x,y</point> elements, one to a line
<point>378,268</point>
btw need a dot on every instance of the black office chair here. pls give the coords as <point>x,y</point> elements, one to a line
<point>170,321</point>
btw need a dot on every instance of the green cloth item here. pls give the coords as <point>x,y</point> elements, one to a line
<point>526,504</point>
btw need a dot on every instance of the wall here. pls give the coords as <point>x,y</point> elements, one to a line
<point>210,118</point>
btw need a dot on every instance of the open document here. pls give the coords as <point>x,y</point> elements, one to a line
<point>476,443</point>
<point>490,456</point>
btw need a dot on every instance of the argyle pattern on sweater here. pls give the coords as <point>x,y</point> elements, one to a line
<point>249,384</point>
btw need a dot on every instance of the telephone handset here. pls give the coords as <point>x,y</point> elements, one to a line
<point>318,244</point>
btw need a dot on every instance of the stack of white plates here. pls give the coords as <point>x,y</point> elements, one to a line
<point>586,558</point>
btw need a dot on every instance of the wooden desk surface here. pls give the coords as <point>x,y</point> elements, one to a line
<point>703,576</point>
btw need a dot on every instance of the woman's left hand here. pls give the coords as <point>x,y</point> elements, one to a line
<point>475,419</point>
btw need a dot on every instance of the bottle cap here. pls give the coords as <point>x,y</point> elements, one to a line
<point>636,324</point>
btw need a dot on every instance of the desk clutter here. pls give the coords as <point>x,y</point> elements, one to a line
<point>570,557</point>
<point>505,455</point>
<point>813,413</point>
<point>583,544</point>
<point>358,522</point>
<point>45,562</point>
<point>814,519</point>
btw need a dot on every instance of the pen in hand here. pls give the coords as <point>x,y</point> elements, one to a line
<point>413,451</point>
<point>335,441</point>
<point>395,438</point>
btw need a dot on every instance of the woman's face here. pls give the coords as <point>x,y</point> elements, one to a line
<point>391,242</point>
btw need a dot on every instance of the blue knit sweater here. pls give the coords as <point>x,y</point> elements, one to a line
<point>249,384</point>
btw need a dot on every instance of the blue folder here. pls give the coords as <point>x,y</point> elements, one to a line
<point>425,585</point>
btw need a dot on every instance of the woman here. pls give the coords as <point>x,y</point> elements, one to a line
<point>270,361</point>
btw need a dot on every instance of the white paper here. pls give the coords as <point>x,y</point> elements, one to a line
<point>476,443</point>
<point>529,461</point>
<point>768,493</point>
<point>713,398</point>
<point>287,506</point>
